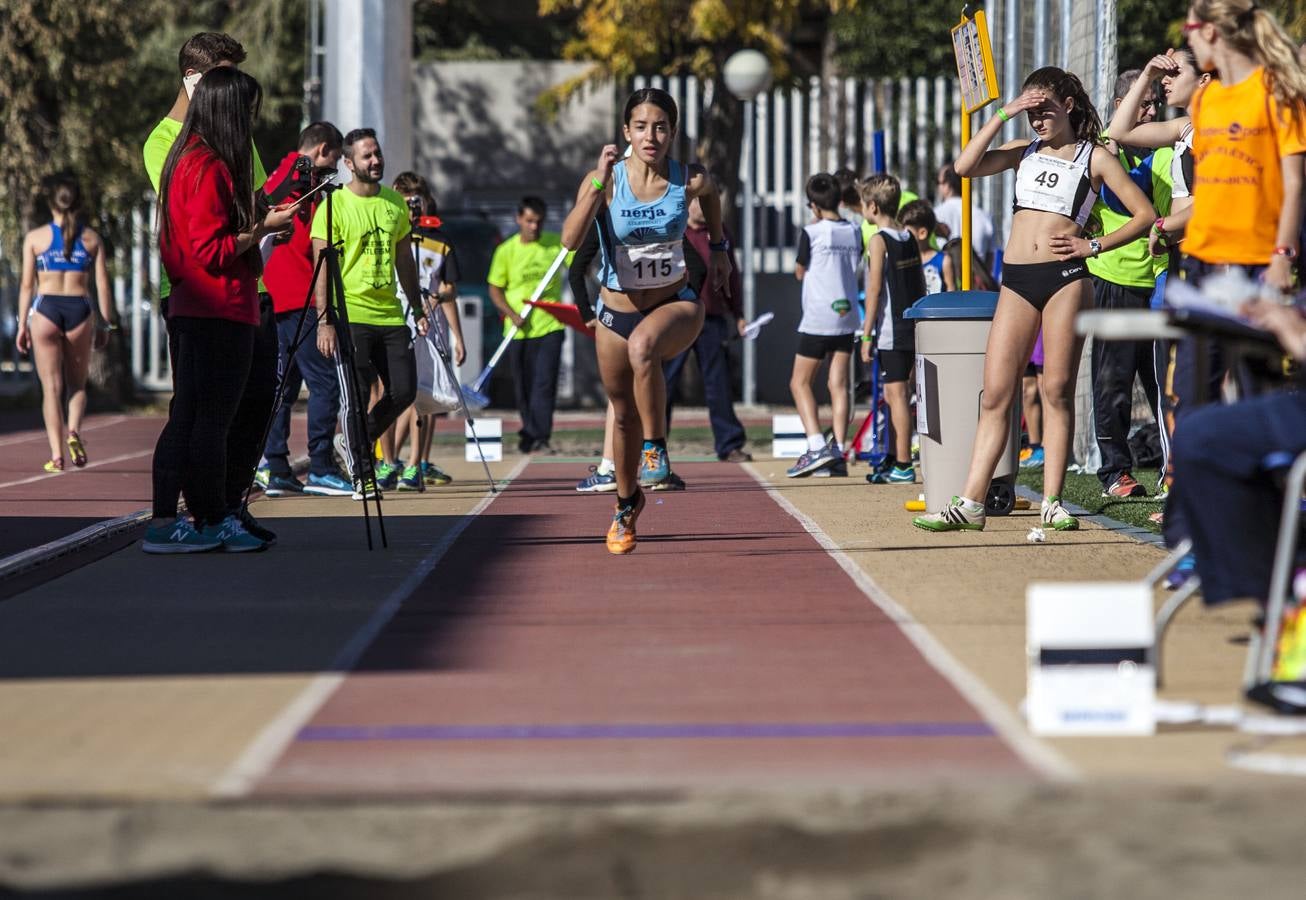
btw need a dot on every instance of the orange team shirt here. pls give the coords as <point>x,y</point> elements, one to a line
<point>1239,137</point>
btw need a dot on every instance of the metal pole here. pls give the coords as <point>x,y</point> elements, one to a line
<point>750,297</point>
<point>1066,13</point>
<point>1040,32</point>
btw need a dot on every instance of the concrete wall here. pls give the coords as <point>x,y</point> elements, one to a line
<point>481,141</point>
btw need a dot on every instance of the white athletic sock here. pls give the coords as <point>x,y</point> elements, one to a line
<point>815,442</point>
<point>606,466</point>
<point>970,504</point>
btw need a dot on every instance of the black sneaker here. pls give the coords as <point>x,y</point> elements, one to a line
<point>672,482</point>
<point>282,485</point>
<point>253,527</point>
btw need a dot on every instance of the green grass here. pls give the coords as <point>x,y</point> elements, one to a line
<point>1086,491</point>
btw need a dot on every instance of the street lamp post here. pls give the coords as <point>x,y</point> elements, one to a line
<point>747,73</point>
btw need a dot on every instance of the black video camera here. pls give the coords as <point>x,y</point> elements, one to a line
<point>302,178</point>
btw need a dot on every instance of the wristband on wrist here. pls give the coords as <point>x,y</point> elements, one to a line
<point>1159,226</point>
<point>866,338</point>
<point>598,185</point>
<point>1290,252</point>
<point>1002,114</point>
<point>721,246</point>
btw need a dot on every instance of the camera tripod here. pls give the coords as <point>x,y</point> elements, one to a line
<point>353,400</point>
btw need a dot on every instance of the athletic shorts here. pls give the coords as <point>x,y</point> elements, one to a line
<point>818,346</point>
<point>623,323</point>
<point>895,365</point>
<point>65,311</point>
<point>1036,283</point>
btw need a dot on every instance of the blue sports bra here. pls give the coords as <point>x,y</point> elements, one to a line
<point>641,241</point>
<point>53,259</point>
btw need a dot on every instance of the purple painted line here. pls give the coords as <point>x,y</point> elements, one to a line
<point>636,731</point>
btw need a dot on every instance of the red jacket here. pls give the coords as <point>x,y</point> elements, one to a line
<point>290,267</point>
<point>210,280</point>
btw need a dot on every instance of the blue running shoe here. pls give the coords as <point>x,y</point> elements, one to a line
<point>812,460</point>
<point>597,483</point>
<point>1034,459</point>
<point>387,476</point>
<point>233,536</point>
<point>282,485</point>
<point>893,475</point>
<point>330,485</point>
<point>654,464</point>
<point>433,474</point>
<point>411,480</point>
<point>1186,569</point>
<point>178,537</point>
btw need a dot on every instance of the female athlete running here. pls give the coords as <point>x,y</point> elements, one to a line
<point>647,312</point>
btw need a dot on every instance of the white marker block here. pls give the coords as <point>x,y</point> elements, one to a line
<point>788,440</point>
<point>1089,648</point>
<point>490,433</point>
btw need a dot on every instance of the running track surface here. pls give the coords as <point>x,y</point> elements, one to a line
<point>728,650</point>
<point>37,507</point>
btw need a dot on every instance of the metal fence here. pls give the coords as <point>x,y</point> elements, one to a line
<point>906,126</point>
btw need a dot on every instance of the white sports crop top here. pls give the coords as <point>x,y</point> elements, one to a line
<point>1051,184</point>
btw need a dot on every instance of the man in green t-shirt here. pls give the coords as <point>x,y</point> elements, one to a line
<point>202,52</point>
<point>370,227</point>
<point>518,265</point>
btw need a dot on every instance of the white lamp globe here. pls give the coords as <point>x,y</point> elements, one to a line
<point>747,73</point>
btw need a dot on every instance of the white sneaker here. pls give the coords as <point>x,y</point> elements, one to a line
<point>959,515</point>
<point>343,458</point>
<point>1055,516</point>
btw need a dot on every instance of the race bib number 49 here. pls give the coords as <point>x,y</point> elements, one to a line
<point>1048,183</point>
<point>643,266</point>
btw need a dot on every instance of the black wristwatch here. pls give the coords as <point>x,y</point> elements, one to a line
<point>721,246</point>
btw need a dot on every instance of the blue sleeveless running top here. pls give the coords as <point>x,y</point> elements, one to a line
<point>641,242</point>
<point>53,259</point>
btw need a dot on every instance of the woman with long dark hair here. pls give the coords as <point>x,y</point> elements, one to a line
<point>208,239</point>
<point>1059,177</point>
<point>56,321</point>
<point>648,313</point>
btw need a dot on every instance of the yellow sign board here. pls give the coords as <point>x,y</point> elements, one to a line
<point>979,80</point>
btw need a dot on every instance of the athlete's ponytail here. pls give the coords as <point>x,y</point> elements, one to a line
<point>1255,32</point>
<point>1067,86</point>
<point>64,195</point>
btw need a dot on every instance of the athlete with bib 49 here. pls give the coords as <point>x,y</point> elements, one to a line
<point>648,313</point>
<point>1059,176</point>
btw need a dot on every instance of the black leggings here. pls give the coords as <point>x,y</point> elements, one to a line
<point>210,369</point>
<point>385,352</point>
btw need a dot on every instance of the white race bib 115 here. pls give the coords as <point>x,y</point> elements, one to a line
<point>642,266</point>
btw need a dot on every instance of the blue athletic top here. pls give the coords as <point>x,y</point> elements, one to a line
<point>655,229</point>
<point>53,259</point>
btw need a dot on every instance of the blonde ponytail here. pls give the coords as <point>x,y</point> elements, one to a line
<point>1278,54</point>
<point>1253,31</point>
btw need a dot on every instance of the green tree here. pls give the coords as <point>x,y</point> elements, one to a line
<point>84,82</point>
<point>896,38</point>
<point>628,37</point>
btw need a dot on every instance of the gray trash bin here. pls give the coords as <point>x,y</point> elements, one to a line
<point>951,332</point>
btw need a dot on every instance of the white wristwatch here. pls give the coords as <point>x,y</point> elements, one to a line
<point>1095,246</point>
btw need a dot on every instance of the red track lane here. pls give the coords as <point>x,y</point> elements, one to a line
<point>36,507</point>
<point>728,616</point>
